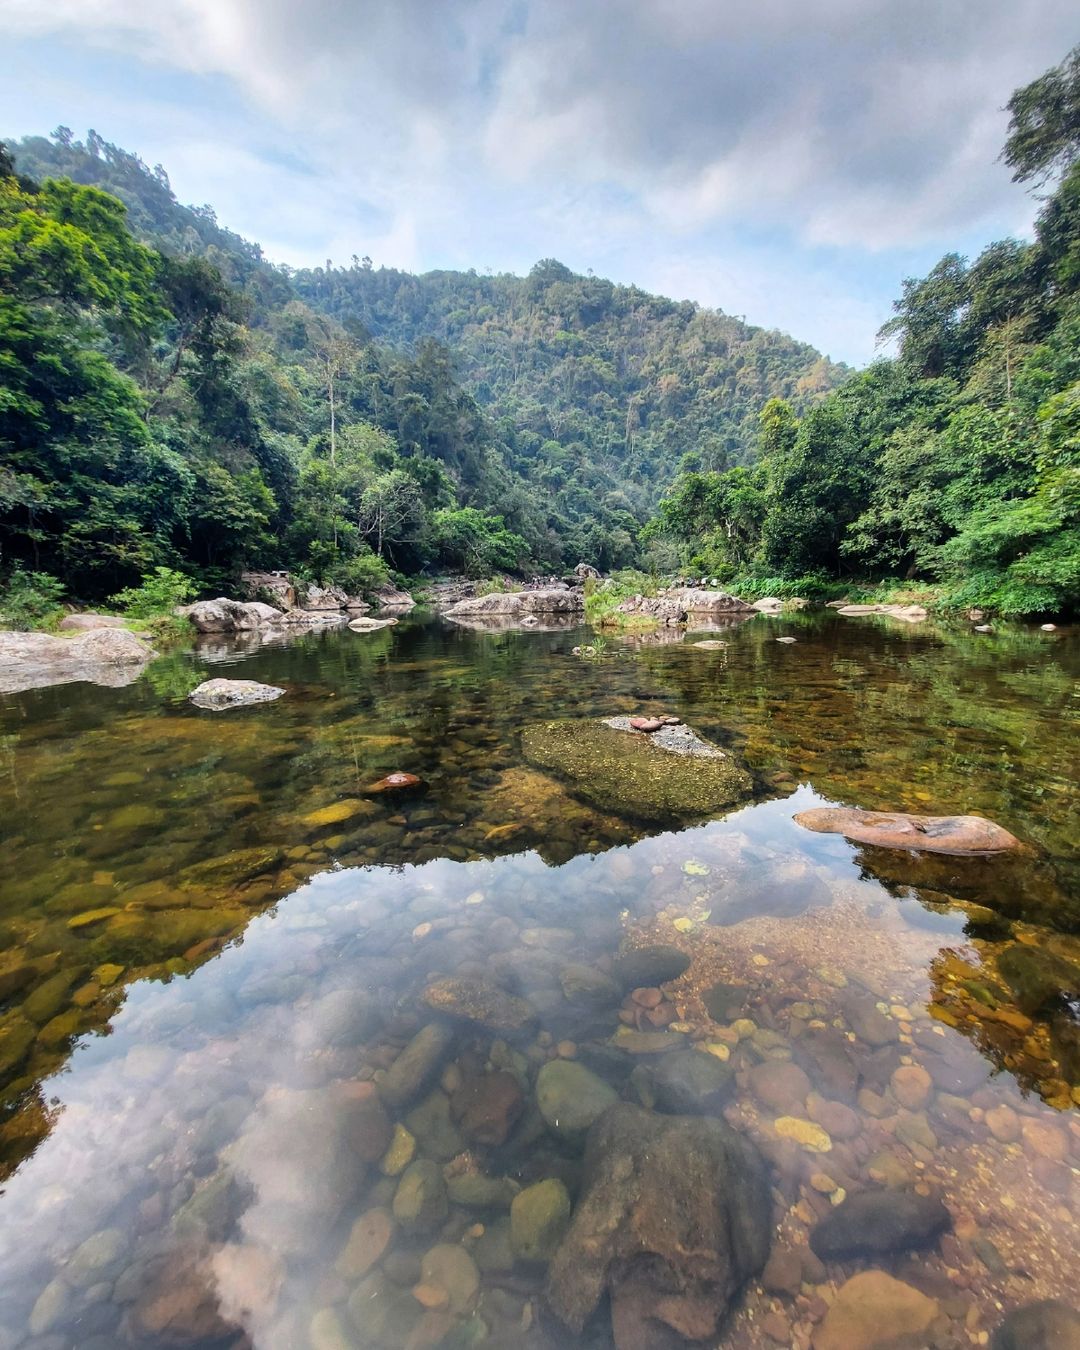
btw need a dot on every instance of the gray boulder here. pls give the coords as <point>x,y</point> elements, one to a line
<point>86,623</point>
<point>109,656</point>
<point>519,603</point>
<point>674,1217</point>
<point>217,695</point>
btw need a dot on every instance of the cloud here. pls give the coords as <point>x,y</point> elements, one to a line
<point>628,136</point>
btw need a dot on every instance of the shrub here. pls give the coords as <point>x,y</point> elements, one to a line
<point>31,600</point>
<point>158,594</point>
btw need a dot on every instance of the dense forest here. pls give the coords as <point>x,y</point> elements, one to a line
<point>172,399</point>
<point>177,401</point>
<point>957,461</point>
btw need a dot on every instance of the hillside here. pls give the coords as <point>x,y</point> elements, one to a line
<point>596,393</point>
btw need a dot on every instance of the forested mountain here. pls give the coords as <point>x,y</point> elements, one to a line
<point>585,397</point>
<point>957,462</point>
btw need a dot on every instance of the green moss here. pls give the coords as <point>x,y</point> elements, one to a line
<point>625,773</point>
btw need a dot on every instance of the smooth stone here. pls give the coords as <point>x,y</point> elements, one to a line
<point>571,1098</point>
<point>420,1199</point>
<point>645,967</point>
<point>327,1331</point>
<point>415,1066</point>
<point>961,835</point>
<point>539,1218</point>
<point>487,1106</point>
<point>483,1004</point>
<point>873,1223</point>
<point>400,1153</point>
<point>911,1086</point>
<point>586,984</point>
<point>872,1309</point>
<point>647,1042</point>
<point>475,1191</point>
<point>779,1084</point>
<point>1046,1325</point>
<point>805,1133</point>
<point>690,1082</point>
<point>431,1124</point>
<point>368,1240</point>
<point>450,1268</point>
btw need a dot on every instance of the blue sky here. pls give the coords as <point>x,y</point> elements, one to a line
<point>789,162</point>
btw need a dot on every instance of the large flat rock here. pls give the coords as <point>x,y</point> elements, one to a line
<point>632,774</point>
<point>109,656</point>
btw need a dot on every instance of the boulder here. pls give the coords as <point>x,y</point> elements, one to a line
<point>86,623</point>
<point>388,597</point>
<point>873,1223</point>
<point>630,774</point>
<point>873,1310</point>
<point>1046,1325</point>
<point>217,695</point>
<point>908,613</point>
<point>674,1216</point>
<point>363,624</point>
<point>571,1098</point>
<point>517,604</point>
<point>230,616</point>
<point>278,585</point>
<point>483,1004</point>
<point>768,604</point>
<point>584,571</point>
<point>958,835</point>
<point>108,656</point>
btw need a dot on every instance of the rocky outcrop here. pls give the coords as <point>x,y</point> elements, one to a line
<point>109,656</point>
<point>230,616</point>
<point>959,835</point>
<point>908,613</point>
<point>86,623</point>
<point>276,585</point>
<point>632,774</point>
<point>686,605</point>
<point>332,599</point>
<point>585,571</point>
<point>388,597</point>
<point>518,604</point>
<point>674,1217</point>
<point>217,695</point>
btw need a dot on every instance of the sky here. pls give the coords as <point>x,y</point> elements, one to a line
<point>789,161</point>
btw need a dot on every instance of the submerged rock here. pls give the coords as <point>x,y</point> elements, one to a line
<point>1039,979</point>
<point>640,776</point>
<point>216,695</point>
<point>415,1066</point>
<point>927,834</point>
<point>1046,1325</point>
<point>689,1082</point>
<point>539,1217</point>
<point>872,1309</point>
<point>397,782</point>
<point>646,967</point>
<point>674,1216</point>
<point>876,1222</point>
<point>484,1004</point>
<point>420,1200</point>
<point>571,1098</point>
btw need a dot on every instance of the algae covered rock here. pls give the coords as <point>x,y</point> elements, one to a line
<point>539,1217</point>
<point>571,1097</point>
<point>632,774</point>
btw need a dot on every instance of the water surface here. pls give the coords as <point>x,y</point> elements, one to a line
<point>217,937</point>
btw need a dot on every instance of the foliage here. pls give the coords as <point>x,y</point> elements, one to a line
<point>30,600</point>
<point>953,465</point>
<point>602,598</point>
<point>160,592</point>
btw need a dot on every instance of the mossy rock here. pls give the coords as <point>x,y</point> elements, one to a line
<point>624,772</point>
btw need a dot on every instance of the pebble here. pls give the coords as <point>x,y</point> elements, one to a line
<point>911,1086</point>
<point>804,1132</point>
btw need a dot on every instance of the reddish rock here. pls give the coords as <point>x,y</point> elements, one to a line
<point>647,724</point>
<point>396,782</point>
<point>960,835</point>
<point>367,1126</point>
<point>779,1085</point>
<point>487,1107</point>
<point>911,1086</point>
<point>838,1120</point>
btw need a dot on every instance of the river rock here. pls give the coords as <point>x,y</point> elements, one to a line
<point>646,967</point>
<point>367,1241</point>
<point>487,1106</point>
<point>476,1191</point>
<point>416,1065</point>
<point>873,1223</point>
<point>779,1085</point>
<point>586,984</point>
<point>1046,1325</point>
<point>431,1125</point>
<point>644,777</point>
<point>961,835</point>
<point>107,656</point>
<point>571,1097</point>
<point>674,1216</point>
<point>484,1004</point>
<point>517,604</point>
<point>1039,979</point>
<point>451,1269</point>
<point>539,1217</point>
<point>420,1199</point>
<point>217,695</point>
<point>690,1082</point>
<point>363,624</point>
<point>873,1310</point>
<point>86,623</point>
<point>178,1304</point>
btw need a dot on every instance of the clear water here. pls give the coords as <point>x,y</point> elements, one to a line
<point>216,938</point>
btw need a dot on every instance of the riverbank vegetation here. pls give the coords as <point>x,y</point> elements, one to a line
<point>955,463</point>
<point>172,400</point>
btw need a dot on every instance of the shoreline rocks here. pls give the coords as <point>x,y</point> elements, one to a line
<point>685,605</point>
<point>520,605</point>
<point>108,656</point>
